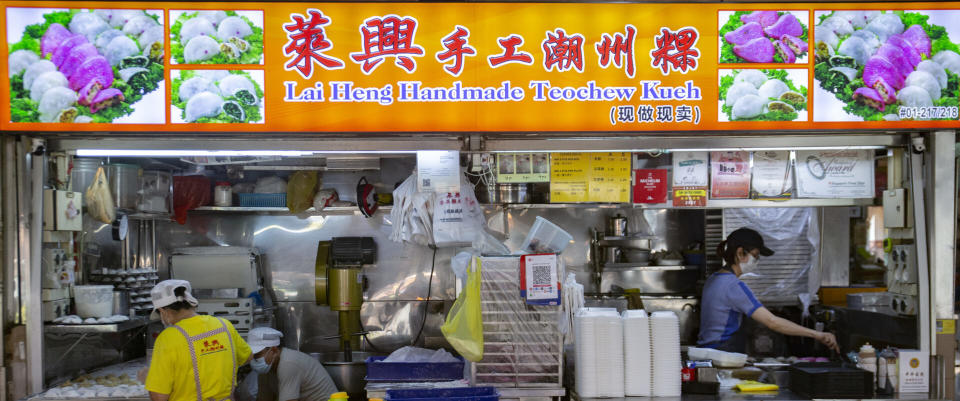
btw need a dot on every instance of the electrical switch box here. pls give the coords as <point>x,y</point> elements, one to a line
<point>895,208</point>
<point>62,210</point>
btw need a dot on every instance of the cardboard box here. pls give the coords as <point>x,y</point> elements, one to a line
<point>914,368</point>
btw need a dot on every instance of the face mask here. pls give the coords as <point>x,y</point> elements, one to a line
<point>750,265</point>
<point>260,365</point>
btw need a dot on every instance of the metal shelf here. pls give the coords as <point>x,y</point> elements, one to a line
<point>340,210</point>
<point>711,204</point>
<point>647,267</point>
<point>96,328</point>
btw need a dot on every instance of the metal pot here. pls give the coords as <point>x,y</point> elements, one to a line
<point>513,193</point>
<point>348,376</point>
<point>617,226</point>
<point>124,180</point>
<point>121,302</point>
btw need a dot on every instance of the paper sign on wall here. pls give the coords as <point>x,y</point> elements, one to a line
<point>772,177</point>
<point>690,178</point>
<point>729,175</point>
<point>835,174</point>
<point>650,186</point>
<point>523,167</point>
<point>438,171</point>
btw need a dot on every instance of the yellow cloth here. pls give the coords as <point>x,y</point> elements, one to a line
<point>171,369</point>
<point>749,386</point>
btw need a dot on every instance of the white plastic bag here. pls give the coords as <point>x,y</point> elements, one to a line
<point>271,185</point>
<point>458,217</point>
<point>99,201</point>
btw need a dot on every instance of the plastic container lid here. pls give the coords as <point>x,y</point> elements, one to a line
<point>223,184</point>
<point>546,237</point>
<point>339,396</point>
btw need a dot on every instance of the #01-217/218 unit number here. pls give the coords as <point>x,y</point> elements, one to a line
<point>928,113</point>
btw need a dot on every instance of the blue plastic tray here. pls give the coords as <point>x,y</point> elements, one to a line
<point>394,372</point>
<point>451,394</point>
<point>263,200</point>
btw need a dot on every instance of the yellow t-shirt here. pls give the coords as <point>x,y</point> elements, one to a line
<point>171,369</point>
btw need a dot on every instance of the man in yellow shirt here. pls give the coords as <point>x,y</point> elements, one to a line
<point>196,357</point>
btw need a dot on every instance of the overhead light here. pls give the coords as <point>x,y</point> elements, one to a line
<point>748,149</point>
<point>187,153</point>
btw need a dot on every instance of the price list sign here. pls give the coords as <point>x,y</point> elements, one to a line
<point>590,177</point>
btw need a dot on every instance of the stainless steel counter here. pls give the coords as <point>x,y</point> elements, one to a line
<point>732,395</point>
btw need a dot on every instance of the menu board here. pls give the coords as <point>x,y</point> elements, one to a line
<point>835,174</point>
<point>690,178</point>
<point>772,175</point>
<point>412,67</point>
<point>590,177</point>
<point>729,175</point>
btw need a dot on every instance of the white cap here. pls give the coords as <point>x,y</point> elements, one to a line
<point>263,337</point>
<point>164,294</point>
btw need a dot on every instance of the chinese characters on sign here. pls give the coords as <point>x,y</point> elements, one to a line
<point>675,51</point>
<point>388,36</point>
<point>307,42</point>
<point>590,177</point>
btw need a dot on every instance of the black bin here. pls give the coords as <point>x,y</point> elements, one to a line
<point>830,380</point>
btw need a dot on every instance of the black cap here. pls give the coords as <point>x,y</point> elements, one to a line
<point>749,240</point>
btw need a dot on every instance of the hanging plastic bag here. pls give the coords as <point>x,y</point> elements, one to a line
<point>189,192</point>
<point>99,201</point>
<point>463,328</point>
<point>458,217</point>
<point>301,188</point>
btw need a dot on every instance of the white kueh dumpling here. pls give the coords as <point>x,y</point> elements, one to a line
<point>20,60</point>
<point>948,59</point>
<point>855,17</point>
<point>120,48</point>
<point>739,90</point>
<point>926,81</point>
<point>748,106</point>
<point>825,34</point>
<point>137,25</point>
<point>55,101</point>
<point>150,36</point>
<point>194,27</point>
<point>43,83</point>
<point>914,96</point>
<point>204,104</point>
<point>213,75</point>
<point>88,24</point>
<point>214,16</point>
<point>195,85</point>
<point>839,25</point>
<point>935,69</point>
<point>869,38</point>
<point>233,27</point>
<point>83,119</point>
<point>119,18</point>
<point>855,48</point>
<point>754,77</point>
<point>886,25</point>
<point>233,83</point>
<point>772,89</point>
<point>201,48</point>
<point>104,38</point>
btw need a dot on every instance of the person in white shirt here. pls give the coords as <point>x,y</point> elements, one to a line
<point>286,374</point>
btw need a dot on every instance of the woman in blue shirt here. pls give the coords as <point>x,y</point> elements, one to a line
<point>726,299</point>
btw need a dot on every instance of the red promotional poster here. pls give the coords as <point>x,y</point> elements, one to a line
<point>650,186</point>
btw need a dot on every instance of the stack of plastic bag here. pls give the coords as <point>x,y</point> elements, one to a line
<point>443,220</point>
<point>412,214</point>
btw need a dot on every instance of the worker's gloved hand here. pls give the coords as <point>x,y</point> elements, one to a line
<point>829,340</point>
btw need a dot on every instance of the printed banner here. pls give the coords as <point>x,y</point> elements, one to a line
<point>523,167</point>
<point>478,67</point>
<point>590,177</point>
<point>835,174</point>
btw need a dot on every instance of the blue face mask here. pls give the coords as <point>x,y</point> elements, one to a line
<point>260,365</point>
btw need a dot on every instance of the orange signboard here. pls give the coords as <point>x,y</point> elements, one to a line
<point>478,67</point>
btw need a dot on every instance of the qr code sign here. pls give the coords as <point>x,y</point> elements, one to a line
<point>426,183</point>
<point>541,275</point>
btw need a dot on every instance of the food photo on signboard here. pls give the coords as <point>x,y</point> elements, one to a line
<point>764,36</point>
<point>89,65</point>
<point>762,95</point>
<point>216,37</point>
<point>886,65</point>
<point>216,96</point>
